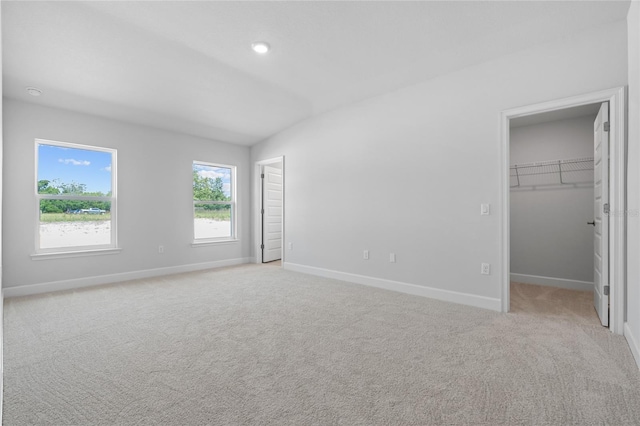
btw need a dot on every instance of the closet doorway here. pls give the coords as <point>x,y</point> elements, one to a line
<point>551,200</point>
<point>269,224</point>
<point>552,195</point>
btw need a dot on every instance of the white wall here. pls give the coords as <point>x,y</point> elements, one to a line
<point>1,272</point>
<point>632,326</point>
<point>406,172</point>
<point>154,169</point>
<point>549,233</point>
<point>1,169</point>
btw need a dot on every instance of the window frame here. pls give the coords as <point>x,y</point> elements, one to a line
<point>233,203</point>
<point>83,249</point>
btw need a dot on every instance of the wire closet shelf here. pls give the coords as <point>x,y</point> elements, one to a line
<point>565,171</point>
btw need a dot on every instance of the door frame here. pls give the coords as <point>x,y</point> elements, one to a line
<point>617,192</point>
<point>257,206</point>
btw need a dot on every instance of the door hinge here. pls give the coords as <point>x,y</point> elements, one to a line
<point>605,208</point>
<point>262,211</point>
<point>262,246</point>
<point>606,126</point>
<point>262,175</point>
<point>606,290</point>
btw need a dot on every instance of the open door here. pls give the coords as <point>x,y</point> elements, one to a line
<point>271,214</point>
<point>601,213</point>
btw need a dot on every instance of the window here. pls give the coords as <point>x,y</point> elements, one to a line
<point>76,197</point>
<point>214,202</point>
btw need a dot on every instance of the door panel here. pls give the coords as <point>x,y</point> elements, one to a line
<point>272,216</point>
<point>601,230</point>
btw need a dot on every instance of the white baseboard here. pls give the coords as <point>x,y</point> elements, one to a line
<point>552,282</point>
<point>634,344</point>
<point>1,348</point>
<point>417,290</point>
<point>27,290</point>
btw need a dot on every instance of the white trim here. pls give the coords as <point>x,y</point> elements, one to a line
<point>233,202</point>
<point>1,352</point>
<point>617,190</point>
<point>617,218</point>
<point>401,287</point>
<point>1,291</point>
<point>26,290</point>
<point>633,343</point>
<point>552,282</point>
<point>112,199</point>
<point>74,253</point>
<point>205,243</point>
<point>505,220</point>
<point>257,205</point>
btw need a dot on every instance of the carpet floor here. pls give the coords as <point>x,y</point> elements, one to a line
<point>258,345</point>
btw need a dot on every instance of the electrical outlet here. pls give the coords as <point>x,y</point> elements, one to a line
<point>365,255</point>
<point>485,209</point>
<point>290,246</point>
<point>485,268</point>
<point>392,257</point>
<point>160,249</point>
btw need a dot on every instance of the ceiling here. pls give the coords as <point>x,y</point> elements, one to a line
<point>188,66</point>
<point>590,110</point>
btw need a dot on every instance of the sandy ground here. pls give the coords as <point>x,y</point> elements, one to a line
<point>72,234</point>
<point>209,228</point>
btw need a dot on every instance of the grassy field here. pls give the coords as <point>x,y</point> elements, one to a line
<point>64,217</point>
<point>222,215</point>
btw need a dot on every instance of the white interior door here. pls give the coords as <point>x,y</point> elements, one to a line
<point>271,214</point>
<point>601,203</point>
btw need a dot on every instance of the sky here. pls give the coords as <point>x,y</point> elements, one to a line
<point>67,165</point>
<point>93,168</point>
<point>215,172</point>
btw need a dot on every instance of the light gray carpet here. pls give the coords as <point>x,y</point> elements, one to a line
<point>259,345</point>
<point>553,302</point>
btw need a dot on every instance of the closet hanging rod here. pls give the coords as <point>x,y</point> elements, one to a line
<point>558,167</point>
<point>585,160</point>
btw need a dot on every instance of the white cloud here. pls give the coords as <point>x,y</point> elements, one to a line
<point>108,168</point>
<point>210,174</point>
<point>226,188</point>
<point>74,162</point>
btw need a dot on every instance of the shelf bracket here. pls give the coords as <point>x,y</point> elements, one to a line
<point>560,170</point>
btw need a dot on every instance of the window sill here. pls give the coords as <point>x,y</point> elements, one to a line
<point>205,243</point>
<point>79,253</point>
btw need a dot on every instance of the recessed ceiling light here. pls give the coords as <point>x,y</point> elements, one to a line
<point>34,91</point>
<point>260,47</point>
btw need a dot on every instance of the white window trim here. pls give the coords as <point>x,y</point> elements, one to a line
<point>208,242</point>
<point>201,242</point>
<point>75,251</point>
<point>80,253</point>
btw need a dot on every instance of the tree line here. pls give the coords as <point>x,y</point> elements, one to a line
<point>204,189</point>
<point>209,189</point>
<point>54,187</point>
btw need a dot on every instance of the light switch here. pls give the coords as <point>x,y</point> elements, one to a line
<point>485,209</point>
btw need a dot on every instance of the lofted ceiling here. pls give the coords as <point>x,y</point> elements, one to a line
<point>188,66</point>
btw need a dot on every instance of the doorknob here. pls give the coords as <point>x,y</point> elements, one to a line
<point>592,223</point>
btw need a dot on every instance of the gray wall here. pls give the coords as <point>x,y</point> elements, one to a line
<point>410,169</point>
<point>632,326</point>
<point>1,167</point>
<point>154,169</point>
<point>549,232</point>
